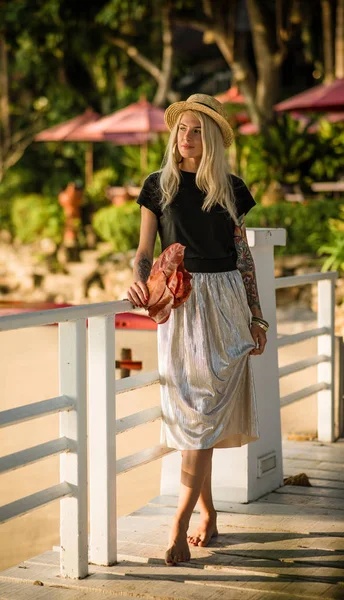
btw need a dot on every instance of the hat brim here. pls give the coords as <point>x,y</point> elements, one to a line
<point>174,110</point>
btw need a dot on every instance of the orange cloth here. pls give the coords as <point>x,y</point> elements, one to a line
<point>169,283</point>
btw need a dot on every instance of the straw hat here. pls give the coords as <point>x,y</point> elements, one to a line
<point>205,104</point>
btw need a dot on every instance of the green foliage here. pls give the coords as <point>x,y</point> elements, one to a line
<point>35,217</point>
<point>308,225</point>
<point>285,153</point>
<point>334,248</point>
<point>119,225</point>
<point>291,153</point>
<point>100,181</point>
<point>329,165</point>
<point>132,160</point>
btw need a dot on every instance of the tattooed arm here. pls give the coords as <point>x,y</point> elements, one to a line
<point>245,264</point>
<point>138,292</point>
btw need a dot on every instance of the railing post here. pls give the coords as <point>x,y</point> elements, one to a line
<point>326,304</point>
<point>73,465</point>
<point>102,440</point>
<point>339,387</point>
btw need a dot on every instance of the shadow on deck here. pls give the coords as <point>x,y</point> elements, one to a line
<point>288,544</point>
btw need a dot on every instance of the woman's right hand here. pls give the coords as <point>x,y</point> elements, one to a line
<point>138,294</point>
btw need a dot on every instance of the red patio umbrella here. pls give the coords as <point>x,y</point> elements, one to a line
<point>75,130</point>
<point>325,97</point>
<point>65,132</point>
<point>138,120</point>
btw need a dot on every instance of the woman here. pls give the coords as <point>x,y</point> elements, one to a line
<point>207,389</point>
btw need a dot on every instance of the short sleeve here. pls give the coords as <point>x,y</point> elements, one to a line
<point>243,197</point>
<point>149,195</point>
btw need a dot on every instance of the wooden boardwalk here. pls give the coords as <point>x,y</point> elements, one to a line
<point>288,544</point>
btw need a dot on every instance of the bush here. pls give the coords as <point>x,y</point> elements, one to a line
<point>308,225</point>
<point>35,217</point>
<point>119,225</point>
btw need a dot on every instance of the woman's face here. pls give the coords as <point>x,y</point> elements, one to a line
<point>189,138</point>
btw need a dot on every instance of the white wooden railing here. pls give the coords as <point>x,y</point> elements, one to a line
<point>98,374</point>
<point>325,359</point>
<point>75,374</point>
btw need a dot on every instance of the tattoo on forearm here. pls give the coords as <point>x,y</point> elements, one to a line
<point>245,264</point>
<point>144,268</point>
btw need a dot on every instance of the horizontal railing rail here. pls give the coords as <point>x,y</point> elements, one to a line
<point>325,359</point>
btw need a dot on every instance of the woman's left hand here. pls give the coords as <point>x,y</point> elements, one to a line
<point>259,338</point>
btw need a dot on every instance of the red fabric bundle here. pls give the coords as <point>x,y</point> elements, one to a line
<point>169,283</point>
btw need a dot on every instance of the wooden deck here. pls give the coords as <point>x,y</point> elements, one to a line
<point>288,544</point>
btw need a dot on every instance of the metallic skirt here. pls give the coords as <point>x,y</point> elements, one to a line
<point>207,389</point>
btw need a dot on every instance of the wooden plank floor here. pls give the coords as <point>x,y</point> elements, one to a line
<point>289,544</point>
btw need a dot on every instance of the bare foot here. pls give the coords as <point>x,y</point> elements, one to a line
<point>178,549</point>
<point>205,531</point>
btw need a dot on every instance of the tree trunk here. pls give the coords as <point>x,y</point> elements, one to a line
<point>269,57</point>
<point>165,78</point>
<point>339,62</point>
<point>326,10</point>
<point>5,132</point>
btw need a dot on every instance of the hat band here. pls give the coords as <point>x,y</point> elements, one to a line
<point>207,105</point>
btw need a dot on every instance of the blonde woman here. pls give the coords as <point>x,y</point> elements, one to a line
<point>204,349</point>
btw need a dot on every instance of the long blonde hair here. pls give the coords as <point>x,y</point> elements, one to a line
<point>212,177</point>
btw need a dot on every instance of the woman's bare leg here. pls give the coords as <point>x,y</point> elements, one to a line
<point>195,466</point>
<point>207,527</point>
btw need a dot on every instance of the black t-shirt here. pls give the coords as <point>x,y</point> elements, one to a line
<point>208,236</point>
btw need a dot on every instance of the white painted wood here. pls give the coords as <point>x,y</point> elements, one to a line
<point>295,338</point>
<point>141,458</point>
<point>296,280</point>
<point>140,418</point>
<point>32,455</point>
<point>41,498</point>
<point>326,400</point>
<point>136,381</point>
<point>102,440</point>
<point>302,364</point>
<point>266,236</point>
<point>13,416</point>
<point>62,315</point>
<point>303,393</point>
<point>73,465</point>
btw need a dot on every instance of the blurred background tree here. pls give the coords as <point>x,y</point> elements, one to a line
<point>58,57</point>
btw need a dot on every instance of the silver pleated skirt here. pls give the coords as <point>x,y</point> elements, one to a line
<point>208,397</point>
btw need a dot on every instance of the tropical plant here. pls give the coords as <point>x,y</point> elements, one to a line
<point>335,247</point>
<point>284,152</point>
<point>329,165</point>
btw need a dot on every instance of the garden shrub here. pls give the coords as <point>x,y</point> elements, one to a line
<point>35,217</point>
<point>120,225</point>
<point>307,225</point>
